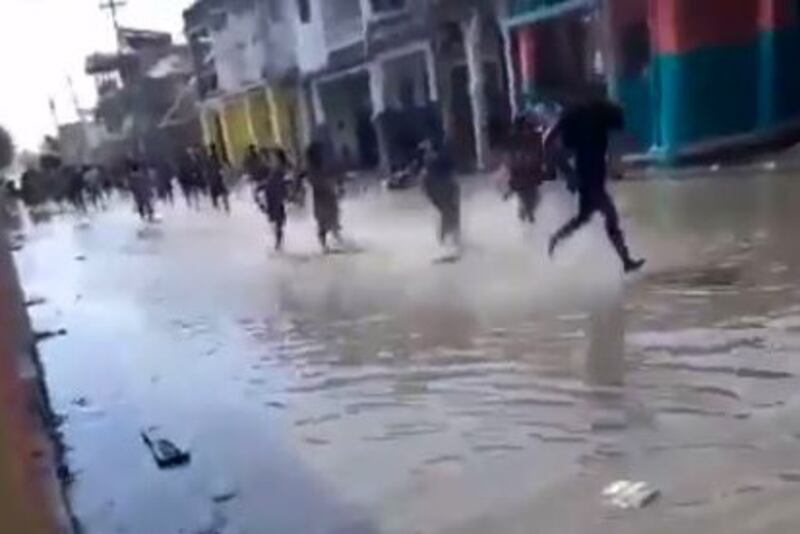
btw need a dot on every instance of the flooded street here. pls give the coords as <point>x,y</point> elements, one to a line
<point>379,392</point>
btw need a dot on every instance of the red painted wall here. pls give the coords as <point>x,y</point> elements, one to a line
<point>526,49</point>
<point>683,25</point>
<point>777,14</point>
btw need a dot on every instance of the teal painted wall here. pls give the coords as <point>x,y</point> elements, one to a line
<point>780,77</point>
<point>721,91</point>
<point>706,93</point>
<point>635,95</point>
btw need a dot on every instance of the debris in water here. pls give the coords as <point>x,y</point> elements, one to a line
<point>223,492</point>
<point>47,334</point>
<point>165,453</point>
<point>80,257</point>
<point>769,166</point>
<point>35,301</point>
<point>82,402</point>
<point>627,494</point>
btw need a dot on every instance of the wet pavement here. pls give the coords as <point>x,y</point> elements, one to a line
<point>379,392</point>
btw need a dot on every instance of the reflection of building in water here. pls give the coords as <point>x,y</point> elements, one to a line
<point>692,76</point>
<point>605,357</point>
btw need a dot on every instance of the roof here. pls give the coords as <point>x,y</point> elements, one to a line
<point>132,39</point>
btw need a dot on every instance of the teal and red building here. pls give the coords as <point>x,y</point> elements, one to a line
<point>692,75</point>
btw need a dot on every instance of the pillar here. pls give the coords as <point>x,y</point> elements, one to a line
<point>526,50</point>
<point>377,93</point>
<point>248,109</point>
<point>473,47</point>
<point>274,115</point>
<point>430,65</point>
<point>609,48</point>
<point>318,110</point>
<point>511,71</point>
<point>306,116</point>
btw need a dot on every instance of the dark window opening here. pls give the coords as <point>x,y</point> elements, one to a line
<point>304,7</point>
<point>380,6</point>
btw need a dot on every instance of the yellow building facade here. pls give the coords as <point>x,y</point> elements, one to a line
<point>261,116</point>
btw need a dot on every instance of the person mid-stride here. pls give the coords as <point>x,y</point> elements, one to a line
<point>584,130</point>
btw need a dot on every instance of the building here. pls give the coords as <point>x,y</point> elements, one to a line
<point>139,88</point>
<point>247,60</point>
<point>693,76</point>
<point>369,78</point>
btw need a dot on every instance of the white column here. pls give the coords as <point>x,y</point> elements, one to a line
<point>306,116</point>
<point>473,49</point>
<point>316,104</point>
<point>511,71</point>
<point>433,79</point>
<point>251,129</point>
<point>607,38</point>
<point>377,93</point>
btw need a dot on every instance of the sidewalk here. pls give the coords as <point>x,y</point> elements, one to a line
<point>30,496</point>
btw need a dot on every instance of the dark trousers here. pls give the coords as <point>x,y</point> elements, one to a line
<point>590,202</point>
<point>528,202</point>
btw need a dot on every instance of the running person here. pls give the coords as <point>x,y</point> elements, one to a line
<point>524,158</point>
<point>584,129</point>
<point>442,190</point>
<point>326,200</point>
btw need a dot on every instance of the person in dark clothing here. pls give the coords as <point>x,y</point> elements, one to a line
<point>326,200</point>
<point>164,183</point>
<point>253,161</point>
<point>141,188</point>
<point>76,188</point>
<point>187,166</point>
<point>524,158</point>
<point>273,193</point>
<point>584,129</point>
<point>442,190</point>
<point>216,180</point>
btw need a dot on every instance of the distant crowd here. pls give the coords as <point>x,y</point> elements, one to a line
<point>545,144</point>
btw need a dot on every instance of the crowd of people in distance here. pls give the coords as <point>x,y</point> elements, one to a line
<point>546,143</point>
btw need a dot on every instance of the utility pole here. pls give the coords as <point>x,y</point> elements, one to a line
<point>113,6</point>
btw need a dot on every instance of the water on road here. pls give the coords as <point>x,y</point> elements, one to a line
<point>379,392</point>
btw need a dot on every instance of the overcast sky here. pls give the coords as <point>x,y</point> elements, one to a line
<point>44,41</point>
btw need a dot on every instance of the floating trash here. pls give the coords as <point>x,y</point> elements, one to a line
<point>628,494</point>
<point>165,453</point>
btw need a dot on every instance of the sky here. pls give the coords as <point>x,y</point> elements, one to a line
<point>42,42</point>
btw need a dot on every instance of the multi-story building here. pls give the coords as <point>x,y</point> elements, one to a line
<point>248,62</point>
<point>693,77</point>
<point>138,87</point>
<point>368,77</point>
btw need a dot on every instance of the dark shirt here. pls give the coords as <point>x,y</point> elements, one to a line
<point>585,131</point>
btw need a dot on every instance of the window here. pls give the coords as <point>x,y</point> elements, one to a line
<point>304,8</point>
<point>382,6</point>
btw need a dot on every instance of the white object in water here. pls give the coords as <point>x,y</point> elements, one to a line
<point>628,494</point>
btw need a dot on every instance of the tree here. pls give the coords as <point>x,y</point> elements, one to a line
<point>6,149</point>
